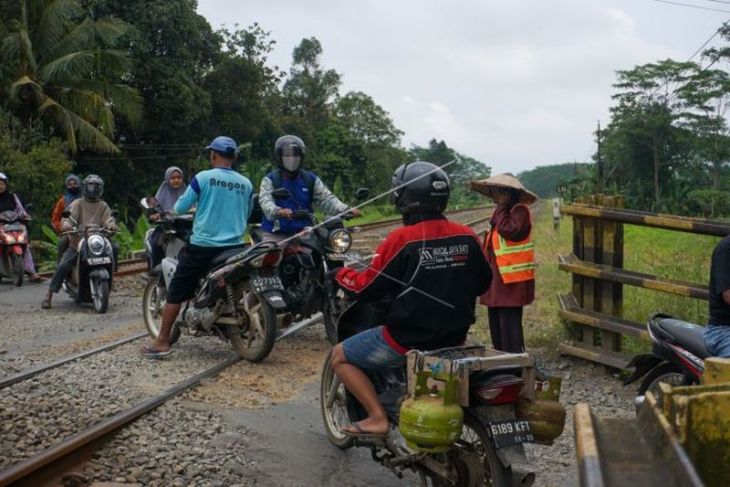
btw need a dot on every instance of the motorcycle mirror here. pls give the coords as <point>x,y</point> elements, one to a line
<point>29,207</point>
<point>115,213</point>
<point>281,194</point>
<point>362,193</point>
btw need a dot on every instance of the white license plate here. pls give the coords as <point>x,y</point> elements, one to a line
<point>510,432</point>
<point>345,257</point>
<point>98,260</point>
<point>260,284</point>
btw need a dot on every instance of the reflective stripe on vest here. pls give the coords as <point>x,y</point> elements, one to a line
<point>515,260</point>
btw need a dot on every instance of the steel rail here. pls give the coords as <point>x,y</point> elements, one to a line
<point>40,464</point>
<point>28,373</point>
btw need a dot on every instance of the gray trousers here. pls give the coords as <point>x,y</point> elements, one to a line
<point>65,265</point>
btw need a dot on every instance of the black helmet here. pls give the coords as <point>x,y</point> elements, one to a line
<point>423,194</point>
<point>290,146</point>
<point>93,187</point>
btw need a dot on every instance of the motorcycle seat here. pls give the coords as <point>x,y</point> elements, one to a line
<point>687,335</point>
<point>225,255</point>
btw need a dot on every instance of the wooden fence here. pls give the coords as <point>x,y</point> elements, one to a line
<point>595,304</point>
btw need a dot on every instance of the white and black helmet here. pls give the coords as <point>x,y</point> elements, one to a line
<point>93,187</point>
<point>289,151</point>
<point>422,193</point>
<point>3,177</point>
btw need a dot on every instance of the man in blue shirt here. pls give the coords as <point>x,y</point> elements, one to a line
<point>224,202</point>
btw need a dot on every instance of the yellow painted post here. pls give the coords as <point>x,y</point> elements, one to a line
<point>717,371</point>
<point>708,437</point>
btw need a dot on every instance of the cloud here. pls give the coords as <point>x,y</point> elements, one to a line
<point>510,83</point>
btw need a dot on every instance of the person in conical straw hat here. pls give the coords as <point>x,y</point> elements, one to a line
<point>510,250</point>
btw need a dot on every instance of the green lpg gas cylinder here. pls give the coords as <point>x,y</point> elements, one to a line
<point>431,421</point>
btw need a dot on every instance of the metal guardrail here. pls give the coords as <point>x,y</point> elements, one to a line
<point>596,265</point>
<point>680,437</point>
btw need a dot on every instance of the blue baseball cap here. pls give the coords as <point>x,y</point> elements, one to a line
<point>224,145</point>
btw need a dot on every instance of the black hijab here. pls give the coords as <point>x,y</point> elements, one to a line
<point>7,201</point>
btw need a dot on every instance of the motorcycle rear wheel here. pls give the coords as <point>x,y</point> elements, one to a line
<point>465,455</point>
<point>16,263</point>
<point>153,302</point>
<point>334,415</point>
<point>254,342</point>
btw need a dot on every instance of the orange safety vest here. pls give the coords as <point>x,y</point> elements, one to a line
<point>515,260</point>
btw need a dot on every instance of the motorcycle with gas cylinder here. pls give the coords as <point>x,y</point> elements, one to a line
<point>13,245</point>
<point>459,416</point>
<point>236,301</point>
<point>677,356</point>
<point>307,259</point>
<point>90,280</point>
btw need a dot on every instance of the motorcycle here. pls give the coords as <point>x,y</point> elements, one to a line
<point>236,301</point>
<point>677,357</point>
<point>13,244</point>
<point>90,280</point>
<point>426,399</point>
<point>306,262</point>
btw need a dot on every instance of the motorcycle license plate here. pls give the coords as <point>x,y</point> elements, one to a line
<point>345,257</point>
<point>510,432</point>
<point>260,284</point>
<point>99,260</point>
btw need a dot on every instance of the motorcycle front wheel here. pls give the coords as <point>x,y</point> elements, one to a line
<point>153,302</point>
<point>333,405</point>
<point>99,294</point>
<point>16,263</point>
<point>254,340</point>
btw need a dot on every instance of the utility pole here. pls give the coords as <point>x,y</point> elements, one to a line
<point>599,161</point>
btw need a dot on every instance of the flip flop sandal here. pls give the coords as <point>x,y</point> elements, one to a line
<point>152,354</point>
<point>46,304</point>
<point>362,434</point>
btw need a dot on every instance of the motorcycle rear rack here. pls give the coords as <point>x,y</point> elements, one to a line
<point>460,362</point>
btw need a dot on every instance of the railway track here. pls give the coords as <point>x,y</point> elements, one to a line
<point>61,457</point>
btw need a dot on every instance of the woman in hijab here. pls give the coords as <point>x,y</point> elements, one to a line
<point>511,254</point>
<point>167,194</point>
<point>171,188</point>
<point>10,202</point>
<point>72,193</point>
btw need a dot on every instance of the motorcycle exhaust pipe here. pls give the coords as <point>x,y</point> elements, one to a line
<point>522,478</point>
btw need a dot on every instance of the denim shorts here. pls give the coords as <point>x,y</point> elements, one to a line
<point>369,350</point>
<point>717,340</point>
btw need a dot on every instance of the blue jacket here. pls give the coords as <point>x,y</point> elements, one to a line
<point>224,203</point>
<point>301,199</point>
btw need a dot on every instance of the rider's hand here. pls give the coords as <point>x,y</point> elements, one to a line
<point>66,227</point>
<point>355,212</point>
<point>284,213</point>
<point>155,217</point>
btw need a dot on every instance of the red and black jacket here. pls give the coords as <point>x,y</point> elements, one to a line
<point>433,270</point>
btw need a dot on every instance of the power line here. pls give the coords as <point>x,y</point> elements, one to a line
<point>693,6</point>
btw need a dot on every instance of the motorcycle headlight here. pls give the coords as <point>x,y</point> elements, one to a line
<point>96,244</point>
<point>340,241</point>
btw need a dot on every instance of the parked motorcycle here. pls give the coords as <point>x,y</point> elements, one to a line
<point>236,301</point>
<point>90,281</point>
<point>307,260</point>
<point>455,411</point>
<point>677,357</point>
<point>13,244</point>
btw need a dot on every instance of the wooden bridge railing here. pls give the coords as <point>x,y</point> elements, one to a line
<point>595,304</point>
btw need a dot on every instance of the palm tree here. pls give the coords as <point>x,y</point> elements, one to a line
<point>56,66</point>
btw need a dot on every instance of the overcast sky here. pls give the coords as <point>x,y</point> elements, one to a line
<point>515,84</point>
